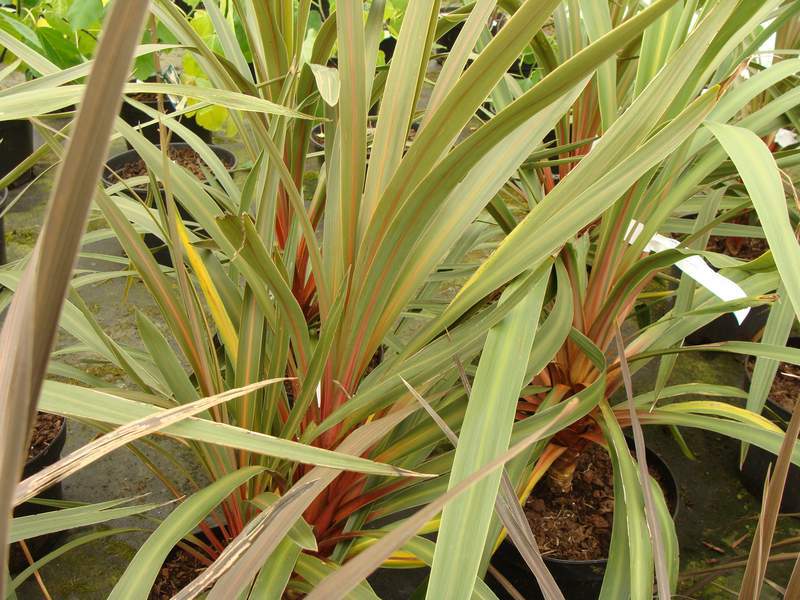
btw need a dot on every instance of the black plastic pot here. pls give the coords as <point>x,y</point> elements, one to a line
<point>16,144</point>
<point>448,39</point>
<point>317,137</point>
<point>577,579</point>
<point>726,328</point>
<point>387,46</point>
<point>117,162</point>
<point>523,69</point>
<point>398,584</point>
<point>133,117</point>
<point>185,7</point>
<point>3,200</point>
<point>758,462</point>
<point>39,546</point>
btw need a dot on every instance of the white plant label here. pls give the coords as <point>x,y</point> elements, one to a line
<point>784,138</point>
<point>695,267</point>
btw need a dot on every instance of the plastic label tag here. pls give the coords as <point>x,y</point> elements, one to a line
<point>695,267</point>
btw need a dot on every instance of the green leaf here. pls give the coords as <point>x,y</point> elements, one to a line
<point>763,182</point>
<point>272,578</point>
<point>314,570</point>
<point>776,332</point>
<point>640,566</point>
<point>138,578</point>
<point>23,528</point>
<point>83,13</point>
<point>58,48</point>
<point>597,19</point>
<point>327,79</point>
<point>83,403</point>
<point>484,436</point>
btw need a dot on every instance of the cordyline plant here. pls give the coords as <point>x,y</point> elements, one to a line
<point>337,285</point>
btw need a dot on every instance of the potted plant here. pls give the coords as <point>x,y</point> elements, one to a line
<point>47,441</point>
<point>65,35</point>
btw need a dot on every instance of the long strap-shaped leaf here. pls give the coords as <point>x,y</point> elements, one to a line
<point>379,261</point>
<point>763,182</point>
<point>484,436</point>
<point>240,559</point>
<point>756,569</point>
<point>126,434</point>
<point>761,178</point>
<point>397,105</point>
<point>356,569</point>
<point>137,580</point>
<point>656,535</point>
<point>311,485</point>
<point>508,511</point>
<point>352,120</point>
<point>458,55</point>
<point>23,528</point>
<point>47,277</point>
<point>84,403</point>
<point>543,231</point>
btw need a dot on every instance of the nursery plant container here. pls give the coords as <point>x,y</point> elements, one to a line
<point>577,579</point>
<point>39,546</point>
<point>133,117</point>
<point>318,136</point>
<point>759,461</point>
<point>16,144</point>
<point>184,6</point>
<point>398,584</point>
<point>387,46</point>
<point>393,583</point>
<point>117,163</point>
<point>726,328</point>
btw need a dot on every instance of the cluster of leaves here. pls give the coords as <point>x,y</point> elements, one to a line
<point>447,297</point>
<point>64,31</point>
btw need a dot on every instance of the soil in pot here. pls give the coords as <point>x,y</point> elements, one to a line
<point>47,441</point>
<point>742,248</point>
<point>178,571</point>
<point>129,164</point>
<point>781,401</point>
<point>182,155</point>
<point>573,529</point>
<point>786,387</point>
<point>577,525</point>
<point>785,390</point>
<point>45,432</point>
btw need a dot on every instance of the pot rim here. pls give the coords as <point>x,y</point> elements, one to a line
<point>58,439</point>
<point>217,149</point>
<point>794,342</point>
